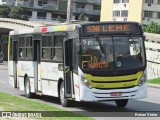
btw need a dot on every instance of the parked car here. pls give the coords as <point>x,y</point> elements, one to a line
<point>1,58</point>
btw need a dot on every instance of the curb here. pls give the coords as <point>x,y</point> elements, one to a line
<point>154,86</point>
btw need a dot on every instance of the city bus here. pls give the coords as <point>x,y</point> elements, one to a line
<point>92,62</point>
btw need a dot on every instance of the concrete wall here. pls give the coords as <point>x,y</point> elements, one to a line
<point>152,45</point>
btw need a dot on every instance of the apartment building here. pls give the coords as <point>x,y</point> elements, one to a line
<point>49,10</point>
<point>7,2</point>
<point>142,11</point>
<point>2,2</point>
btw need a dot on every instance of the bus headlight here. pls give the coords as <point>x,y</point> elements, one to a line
<point>86,82</point>
<point>142,79</point>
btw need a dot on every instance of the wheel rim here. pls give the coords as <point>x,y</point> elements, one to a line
<point>62,95</point>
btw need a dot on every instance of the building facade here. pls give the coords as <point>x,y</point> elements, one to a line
<point>142,11</point>
<point>9,2</point>
<point>2,2</point>
<point>51,10</point>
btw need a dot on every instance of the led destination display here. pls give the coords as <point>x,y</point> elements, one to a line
<point>110,28</point>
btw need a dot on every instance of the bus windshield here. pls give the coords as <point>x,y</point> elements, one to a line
<point>120,53</point>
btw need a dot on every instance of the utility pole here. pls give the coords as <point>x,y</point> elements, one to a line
<point>69,10</point>
<point>16,2</point>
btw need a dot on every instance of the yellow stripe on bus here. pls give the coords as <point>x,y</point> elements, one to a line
<point>19,71</point>
<point>99,82</point>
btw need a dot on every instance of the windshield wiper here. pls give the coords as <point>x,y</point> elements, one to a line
<point>100,44</point>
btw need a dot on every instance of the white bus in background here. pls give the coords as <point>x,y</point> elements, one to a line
<point>99,61</point>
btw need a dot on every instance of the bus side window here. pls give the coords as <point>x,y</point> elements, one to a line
<point>21,53</point>
<point>57,49</point>
<point>29,49</point>
<point>47,47</point>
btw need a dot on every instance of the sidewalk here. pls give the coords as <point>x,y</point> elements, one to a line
<point>153,85</point>
<point>4,65</point>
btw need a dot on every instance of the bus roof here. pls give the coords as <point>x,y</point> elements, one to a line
<point>62,27</point>
<point>45,29</point>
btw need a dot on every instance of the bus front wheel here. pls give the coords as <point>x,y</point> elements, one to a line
<point>121,103</point>
<point>64,101</point>
<point>27,88</point>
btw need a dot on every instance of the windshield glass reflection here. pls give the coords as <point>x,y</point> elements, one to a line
<point>117,53</point>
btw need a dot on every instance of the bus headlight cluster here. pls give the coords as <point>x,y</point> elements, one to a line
<point>86,82</point>
<point>142,79</point>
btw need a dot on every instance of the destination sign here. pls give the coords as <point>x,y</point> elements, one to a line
<point>110,28</point>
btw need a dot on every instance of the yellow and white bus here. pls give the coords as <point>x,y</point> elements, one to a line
<point>100,61</point>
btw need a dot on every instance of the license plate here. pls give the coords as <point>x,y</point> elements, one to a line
<point>116,93</point>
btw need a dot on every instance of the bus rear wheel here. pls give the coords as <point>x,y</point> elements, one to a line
<point>121,103</point>
<point>64,101</point>
<point>27,89</point>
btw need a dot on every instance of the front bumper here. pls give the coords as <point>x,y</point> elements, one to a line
<point>93,94</point>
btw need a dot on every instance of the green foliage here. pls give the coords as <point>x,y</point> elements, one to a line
<point>82,17</point>
<point>59,18</point>
<point>18,13</point>
<point>4,11</point>
<point>13,12</point>
<point>152,28</point>
<point>155,81</point>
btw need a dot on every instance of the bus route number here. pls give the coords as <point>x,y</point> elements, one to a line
<point>95,28</point>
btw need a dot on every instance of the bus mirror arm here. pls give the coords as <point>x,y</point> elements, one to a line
<point>79,50</point>
<point>144,38</point>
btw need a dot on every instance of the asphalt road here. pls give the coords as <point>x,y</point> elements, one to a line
<point>96,110</point>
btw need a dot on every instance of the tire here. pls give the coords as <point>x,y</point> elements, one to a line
<point>27,89</point>
<point>121,103</point>
<point>64,101</point>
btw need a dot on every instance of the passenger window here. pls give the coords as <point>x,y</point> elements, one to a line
<point>47,43</point>
<point>29,49</point>
<point>58,54</point>
<point>21,47</point>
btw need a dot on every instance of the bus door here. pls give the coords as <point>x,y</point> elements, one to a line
<point>38,85</point>
<point>68,73</point>
<point>15,53</point>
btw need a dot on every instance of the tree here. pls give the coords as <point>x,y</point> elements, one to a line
<point>4,11</point>
<point>152,28</point>
<point>82,17</point>
<point>59,18</point>
<point>18,13</point>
